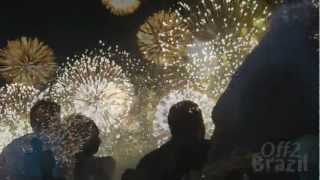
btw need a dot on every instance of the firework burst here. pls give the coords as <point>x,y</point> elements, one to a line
<point>16,101</point>
<point>160,125</point>
<point>27,61</point>
<point>163,38</point>
<point>218,18</point>
<point>97,87</point>
<point>224,33</point>
<point>211,64</point>
<point>121,7</point>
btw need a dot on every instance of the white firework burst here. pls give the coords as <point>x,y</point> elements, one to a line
<point>160,124</point>
<point>16,101</point>
<point>96,87</point>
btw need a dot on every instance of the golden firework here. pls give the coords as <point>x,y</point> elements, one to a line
<point>121,7</point>
<point>27,61</point>
<point>163,38</point>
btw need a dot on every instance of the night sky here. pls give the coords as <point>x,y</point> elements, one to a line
<point>70,26</point>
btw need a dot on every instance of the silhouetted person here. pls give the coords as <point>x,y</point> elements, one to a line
<point>42,115</point>
<point>87,166</point>
<point>38,164</point>
<point>184,154</point>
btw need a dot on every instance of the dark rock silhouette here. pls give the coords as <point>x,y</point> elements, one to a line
<point>274,94</point>
<point>186,152</point>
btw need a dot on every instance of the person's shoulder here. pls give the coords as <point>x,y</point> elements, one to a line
<point>105,163</point>
<point>18,146</point>
<point>23,140</point>
<point>103,166</point>
<point>158,156</point>
<point>151,158</point>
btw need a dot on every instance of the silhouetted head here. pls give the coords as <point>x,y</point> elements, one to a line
<point>185,121</point>
<point>36,144</point>
<point>86,131</point>
<point>44,113</point>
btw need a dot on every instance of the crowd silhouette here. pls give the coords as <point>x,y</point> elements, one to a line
<point>243,116</point>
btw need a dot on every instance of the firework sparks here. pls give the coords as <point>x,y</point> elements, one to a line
<point>122,7</point>
<point>214,18</point>
<point>67,139</point>
<point>27,61</point>
<point>163,38</point>
<point>225,32</point>
<point>95,86</point>
<point>213,63</point>
<point>161,128</point>
<point>16,101</point>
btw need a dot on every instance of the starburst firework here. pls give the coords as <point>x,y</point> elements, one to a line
<point>97,87</point>
<point>27,61</point>
<point>122,7</point>
<point>160,125</point>
<point>16,101</point>
<point>163,38</point>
